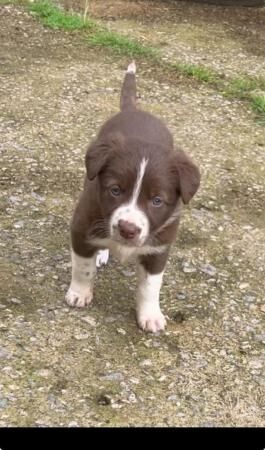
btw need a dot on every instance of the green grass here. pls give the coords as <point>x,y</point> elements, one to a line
<point>56,18</point>
<point>121,44</point>
<point>198,72</point>
<point>258,103</point>
<point>241,88</point>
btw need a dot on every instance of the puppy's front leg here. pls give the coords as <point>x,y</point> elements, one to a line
<point>150,275</point>
<point>80,292</point>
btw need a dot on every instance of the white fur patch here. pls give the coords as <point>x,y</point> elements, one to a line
<point>130,212</point>
<point>124,252</point>
<point>80,292</point>
<point>102,258</point>
<point>149,315</point>
<point>131,68</point>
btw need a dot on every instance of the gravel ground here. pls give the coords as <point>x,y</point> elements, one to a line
<point>66,367</point>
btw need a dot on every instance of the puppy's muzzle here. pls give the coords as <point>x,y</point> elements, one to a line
<point>128,230</point>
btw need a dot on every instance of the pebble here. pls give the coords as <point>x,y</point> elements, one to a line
<point>121,331</point>
<point>81,336</point>
<point>208,269</point>
<point>256,364</point>
<point>16,301</point>
<point>180,296</point>
<point>4,354</point>
<point>243,286</point>
<point>90,320</point>
<point>146,363</point>
<point>45,373</point>
<point>73,424</point>
<point>113,376</point>
<point>188,269</point>
<point>128,273</point>
<point>172,398</point>
<point>3,403</point>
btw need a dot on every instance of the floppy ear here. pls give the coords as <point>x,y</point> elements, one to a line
<point>100,151</point>
<point>188,176</point>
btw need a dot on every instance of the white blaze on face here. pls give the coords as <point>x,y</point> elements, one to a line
<point>130,212</point>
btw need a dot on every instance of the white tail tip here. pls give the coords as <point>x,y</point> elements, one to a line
<point>131,68</point>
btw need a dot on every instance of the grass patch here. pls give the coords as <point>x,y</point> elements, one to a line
<point>258,103</point>
<point>258,106</point>
<point>121,44</point>
<point>241,88</point>
<point>54,17</point>
<point>198,72</point>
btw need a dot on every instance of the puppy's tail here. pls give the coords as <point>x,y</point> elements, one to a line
<point>128,90</point>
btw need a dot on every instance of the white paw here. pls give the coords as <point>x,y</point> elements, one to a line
<point>131,68</point>
<point>79,299</point>
<point>152,321</point>
<point>102,258</point>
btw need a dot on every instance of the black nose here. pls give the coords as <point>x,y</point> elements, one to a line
<point>128,230</point>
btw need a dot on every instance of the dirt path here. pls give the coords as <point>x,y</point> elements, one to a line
<point>79,368</point>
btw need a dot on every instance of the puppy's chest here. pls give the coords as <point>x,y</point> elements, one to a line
<point>125,253</point>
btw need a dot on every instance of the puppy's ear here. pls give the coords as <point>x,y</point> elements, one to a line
<point>188,176</point>
<point>100,151</point>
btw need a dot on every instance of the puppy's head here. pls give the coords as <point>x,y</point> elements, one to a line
<point>139,185</point>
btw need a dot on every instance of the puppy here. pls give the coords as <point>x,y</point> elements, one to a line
<point>134,188</point>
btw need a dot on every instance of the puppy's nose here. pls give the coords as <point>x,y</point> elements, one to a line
<point>128,230</point>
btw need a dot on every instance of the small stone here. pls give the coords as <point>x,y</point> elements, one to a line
<point>208,269</point>
<point>90,320</point>
<point>3,403</point>
<point>110,319</point>
<point>19,224</point>
<point>249,298</point>
<point>134,380</point>
<point>113,376</point>
<point>172,398</point>
<point>243,286</point>
<point>188,269</point>
<point>121,331</point>
<point>146,363</point>
<point>180,296</point>
<point>45,373</point>
<point>256,364</point>
<point>16,301</point>
<point>81,336</point>
<point>41,424</point>
<point>128,273</point>
<point>262,308</point>
<point>260,338</point>
<point>4,354</point>
<point>72,424</point>
<point>132,398</point>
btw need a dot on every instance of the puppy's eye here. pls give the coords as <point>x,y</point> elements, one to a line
<point>157,201</point>
<point>115,191</point>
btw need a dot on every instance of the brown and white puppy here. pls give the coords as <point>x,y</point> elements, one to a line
<point>131,201</point>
